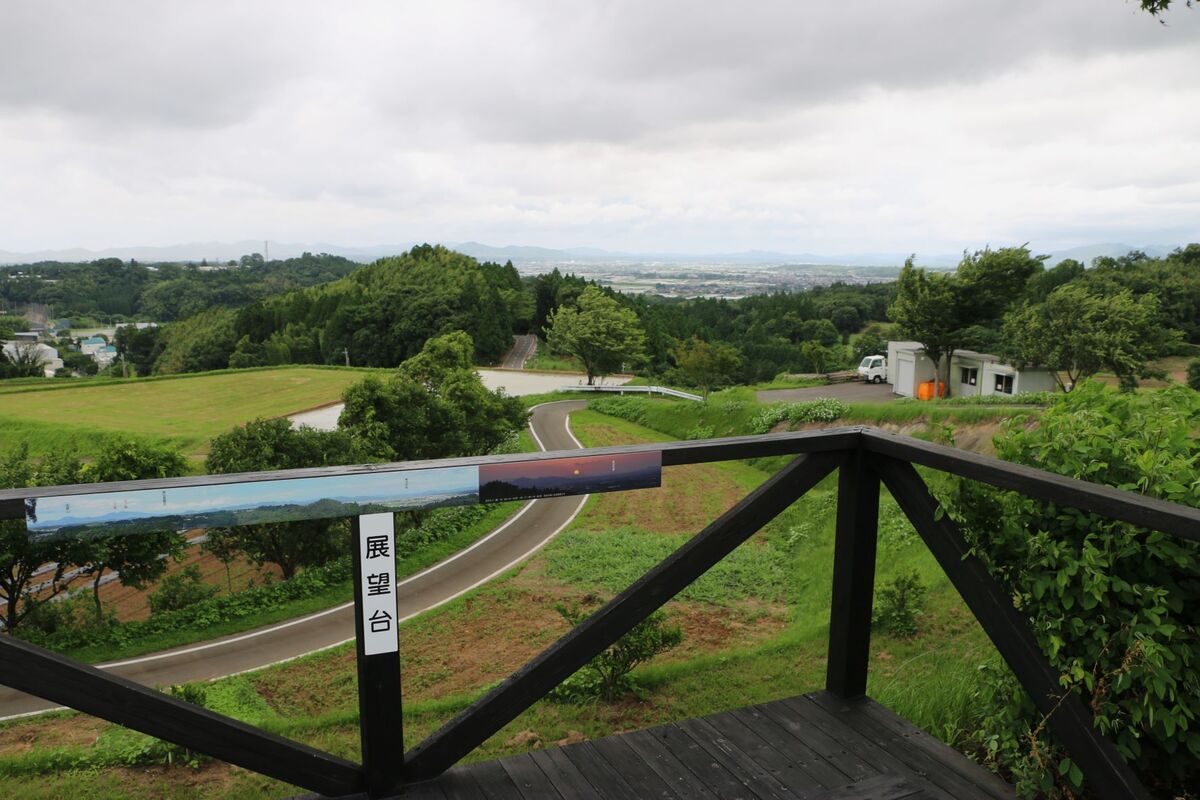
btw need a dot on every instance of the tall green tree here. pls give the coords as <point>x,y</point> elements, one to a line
<point>599,332</point>
<point>273,444</point>
<point>22,558</point>
<point>1078,333</point>
<point>434,406</point>
<point>141,558</point>
<point>944,312</point>
<point>705,365</point>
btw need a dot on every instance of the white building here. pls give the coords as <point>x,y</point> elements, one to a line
<point>971,373</point>
<point>51,363</point>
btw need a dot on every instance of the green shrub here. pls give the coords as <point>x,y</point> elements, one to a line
<point>180,590</point>
<point>1113,606</point>
<point>824,409</point>
<point>631,409</point>
<point>899,605</point>
<point>1193,374</point>
<point>606,676</point>
<point>700,432</point>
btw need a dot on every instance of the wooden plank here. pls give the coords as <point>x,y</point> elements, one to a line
<point>749,767</point>
<point>530,683</point>
<point>493,781</point>
<point>855,541</point>
<point>644,765</point>
<point>788,723</point>
<point>457,784</point>
<point>938,750</point>
<point>607,779</point>
<point>12,501</point>
<point>565,776</point>
<point>711,772</point>
<point>1146,512</point>
<point>821,771</point>
<point>915,763</point>
<point>878,787</point>
<point>1103,768</point>
<point>429,790</point>
<point>60,680</point>
<point>796,767</point>
<point>863,745</point>
<point>529,779</point>
<point>668,765</point>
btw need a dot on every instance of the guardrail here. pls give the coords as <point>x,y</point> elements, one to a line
<point>665,390</point>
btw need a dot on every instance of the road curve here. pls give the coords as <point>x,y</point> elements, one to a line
<point>522,350</point>
<point>520,536</point>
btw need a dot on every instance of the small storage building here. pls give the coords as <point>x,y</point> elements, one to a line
<point>971,373</point>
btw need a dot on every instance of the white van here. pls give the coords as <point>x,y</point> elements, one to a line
<point>873,369</point>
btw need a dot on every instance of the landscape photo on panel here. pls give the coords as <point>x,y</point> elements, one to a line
<point>525,480</point>
<point>231,504</point>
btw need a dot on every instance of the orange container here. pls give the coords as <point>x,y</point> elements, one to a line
<point>925,390</point>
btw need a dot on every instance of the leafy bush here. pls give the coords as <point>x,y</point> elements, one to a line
<point>631,409</point>
<point>1022,399</point>
<point>1112,605</point>
<point>700,432</point>
<point>607,675</point>
<point>899,605</point>
<point>180,590</point>
<point>824,409</point>
<point>1193,374</point>
<point>215,610</point>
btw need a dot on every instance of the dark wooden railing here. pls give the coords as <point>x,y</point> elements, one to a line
<point>865,458</point>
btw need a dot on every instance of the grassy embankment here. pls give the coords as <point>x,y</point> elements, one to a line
<point>186,411</point>
<point>755,629</point>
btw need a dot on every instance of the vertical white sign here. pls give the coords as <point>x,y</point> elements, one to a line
<point>377,562</point>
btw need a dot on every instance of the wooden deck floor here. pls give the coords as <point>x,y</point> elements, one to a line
<point>812,746</point>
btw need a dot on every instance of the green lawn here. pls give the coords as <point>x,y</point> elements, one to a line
<point>184,410</point>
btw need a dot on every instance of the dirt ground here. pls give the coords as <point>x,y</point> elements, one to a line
<point>853,392</point>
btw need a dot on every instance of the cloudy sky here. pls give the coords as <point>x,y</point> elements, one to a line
<point>696,127</point>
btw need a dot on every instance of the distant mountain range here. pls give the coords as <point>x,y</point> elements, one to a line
<point>528,256</point>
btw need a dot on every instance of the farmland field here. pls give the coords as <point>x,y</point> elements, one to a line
<point>186,411</point>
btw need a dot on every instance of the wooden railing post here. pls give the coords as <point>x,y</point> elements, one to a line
<point>377,645</point>
<point>853,576</point>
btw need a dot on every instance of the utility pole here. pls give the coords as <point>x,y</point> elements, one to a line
<point>346,353</point>
<point>266,251</point>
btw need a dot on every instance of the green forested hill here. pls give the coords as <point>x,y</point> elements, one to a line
<point>381,314</point>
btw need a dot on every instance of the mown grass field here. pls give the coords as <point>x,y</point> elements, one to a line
<point>186,411</point>
<point>755,630</point>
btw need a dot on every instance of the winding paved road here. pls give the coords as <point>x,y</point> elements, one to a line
<point>522,350</point>
<point>532,526</point>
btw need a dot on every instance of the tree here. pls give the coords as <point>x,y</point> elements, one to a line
<point>926,310</point>
<point>938,309</point>
<point>434,406</point>
<point>599,332</point>
<point>706,365</point>
<point>22,360</point>
<point>22,556</point>
<point>1078,333</point>
<point>871,343</point>
<point>817,356</point>
<point>272,444</point>
<point>140,558</point>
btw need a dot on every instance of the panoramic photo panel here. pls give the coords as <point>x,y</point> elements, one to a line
<point>564,476</point>
<point>232,504</point>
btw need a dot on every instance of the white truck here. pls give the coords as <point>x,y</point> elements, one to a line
<point>873,369</point>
